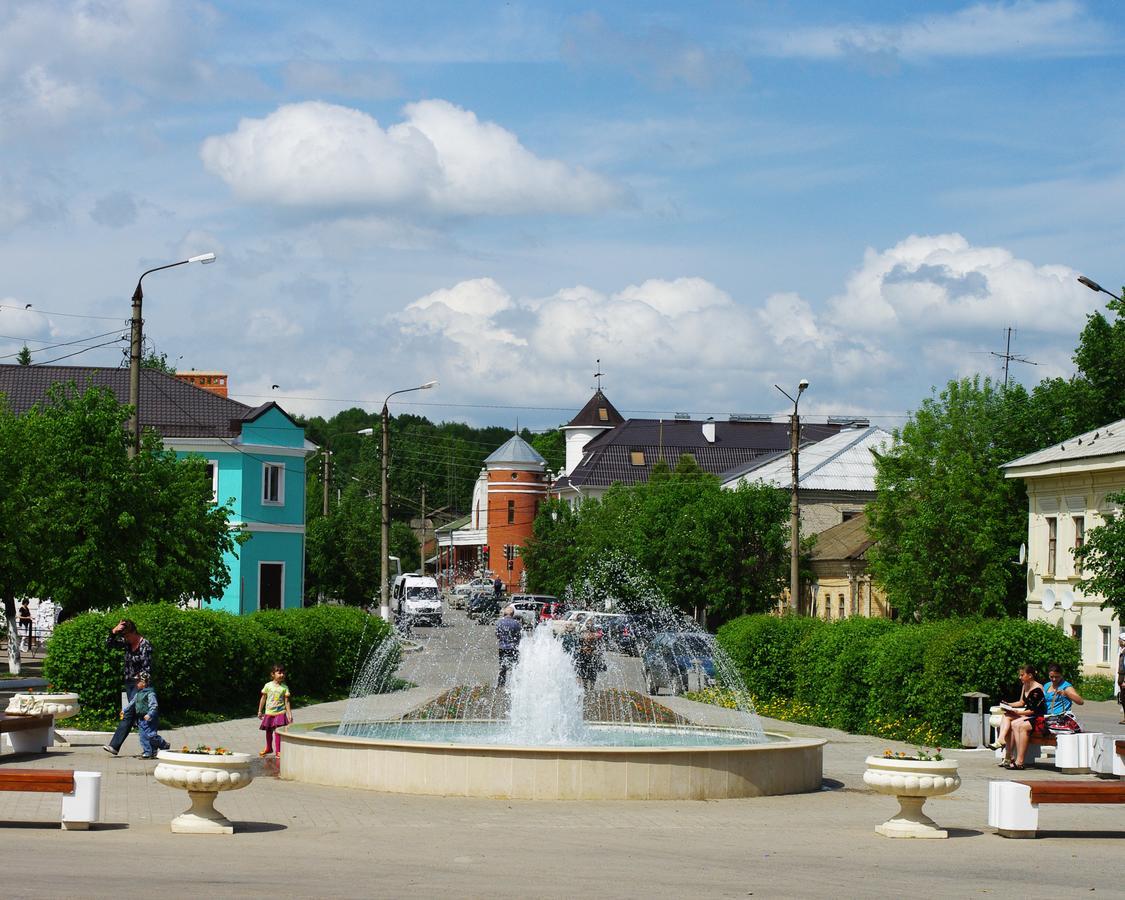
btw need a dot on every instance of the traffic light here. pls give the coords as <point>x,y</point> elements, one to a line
<point>509,554</point>
<point>484,555</point>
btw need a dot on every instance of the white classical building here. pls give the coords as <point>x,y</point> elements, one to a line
<point>1067,487</point>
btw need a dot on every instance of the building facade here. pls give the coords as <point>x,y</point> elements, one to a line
<point>1067,489</point>
<point>841,586</point>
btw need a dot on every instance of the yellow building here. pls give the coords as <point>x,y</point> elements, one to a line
<point>842,586</point>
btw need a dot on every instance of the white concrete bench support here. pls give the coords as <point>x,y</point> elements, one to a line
<point>1072,753</point>
<point>1104,758</point>
<point>83,807</point>
<point>1010,810</point>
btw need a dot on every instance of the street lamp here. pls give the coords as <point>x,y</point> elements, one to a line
<point>385,536</point>
<point>135,341</point>
<point>1094,286</point>
<point>794,509</point>
<point>327,463</point>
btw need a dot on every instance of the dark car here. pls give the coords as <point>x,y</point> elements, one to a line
<point>484,606</point>
<point>673,660</point>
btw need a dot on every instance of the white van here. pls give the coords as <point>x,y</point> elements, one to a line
<point>416,598</point>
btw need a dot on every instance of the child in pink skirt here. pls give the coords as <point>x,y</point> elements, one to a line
<point>274,709</point>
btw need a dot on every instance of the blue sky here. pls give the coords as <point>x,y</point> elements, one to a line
<point>709,198</point>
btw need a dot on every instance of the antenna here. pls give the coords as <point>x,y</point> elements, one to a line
<point>1009,357</point>
<point>598,374</point>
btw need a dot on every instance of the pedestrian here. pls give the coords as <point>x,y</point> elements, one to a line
<point>1119,687</point>
<point>138,658</point>
<point>588,657</point>
<point>26,621</point>
<point>274,709</point>
<point>148,717</point>
<point>497,588</point>
<point>509,630</point>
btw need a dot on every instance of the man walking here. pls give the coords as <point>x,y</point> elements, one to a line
<point>1119,689</point>
<point>138,659</point>
<point>509,630</point>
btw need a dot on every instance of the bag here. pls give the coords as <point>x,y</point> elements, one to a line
<point>1063,723</point>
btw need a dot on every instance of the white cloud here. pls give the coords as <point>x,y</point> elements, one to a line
<point>1024,28</point>
<point>441,160</point>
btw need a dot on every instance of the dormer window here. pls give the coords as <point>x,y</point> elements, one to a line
<point>637,457</point>
<point>603,414</point>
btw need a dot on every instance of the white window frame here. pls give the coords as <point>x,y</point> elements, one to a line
<point>280,501</point>
<point>271,562</point>
<point>1104,650</point>
<point>214,464</point>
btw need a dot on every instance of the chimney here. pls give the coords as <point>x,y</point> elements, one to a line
<point>214,382</point>
<point>709,431</point>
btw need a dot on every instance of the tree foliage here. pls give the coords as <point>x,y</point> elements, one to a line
<point>1103,559</point>
<point>679,536</point>
<point>24,357</point>
<point>88,527</point>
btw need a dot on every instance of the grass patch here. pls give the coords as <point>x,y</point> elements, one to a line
<point>1095,687</point>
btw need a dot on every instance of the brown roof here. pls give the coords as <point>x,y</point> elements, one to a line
<point>848,540</point>
<point>597,412</point>
<point>608,457</point>
<point>172,407</point>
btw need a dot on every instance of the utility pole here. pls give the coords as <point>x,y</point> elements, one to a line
<point>1009,357</point>
<point>794,506</point>
<point>422,551</point>
<point>327,471</point>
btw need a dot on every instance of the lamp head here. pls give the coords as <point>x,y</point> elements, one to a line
<point>204,258</point>
<point>428,385</point>
<point>1089,282</point>
<point>802,385</point>
<point>366,431</point>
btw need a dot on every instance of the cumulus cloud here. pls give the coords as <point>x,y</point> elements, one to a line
<point>928,309</point>
<point>1025,28</point>
<point>441,161</point>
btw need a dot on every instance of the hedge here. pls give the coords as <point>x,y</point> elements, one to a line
<point>206,661</point>
<point>881,677</point>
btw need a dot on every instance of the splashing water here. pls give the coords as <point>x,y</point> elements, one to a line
<point>546,697</point>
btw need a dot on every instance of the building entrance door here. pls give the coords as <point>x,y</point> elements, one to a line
<point>270,580</point>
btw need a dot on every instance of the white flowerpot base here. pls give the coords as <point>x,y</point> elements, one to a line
<point>911,822</point>
<point>202,817</point>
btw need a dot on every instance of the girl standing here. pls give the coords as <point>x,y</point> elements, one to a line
<point>274,709</point>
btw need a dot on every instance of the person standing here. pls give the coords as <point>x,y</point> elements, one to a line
<point>26,622</point>
<point>148,717</point>
<point>509,630</point>
<point>138,659</point>
<point>274,709</point>
<point>1119,688</point>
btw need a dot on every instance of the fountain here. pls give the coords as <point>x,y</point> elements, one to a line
<point>546,737</point>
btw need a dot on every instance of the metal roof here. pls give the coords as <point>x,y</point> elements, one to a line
<point>841,462</point>
<point>174,408</point>
<point>597,413</point>
<point>1104,441</point>
<point>609,457</point>
<point>515,451</point>
<point>848,540</point>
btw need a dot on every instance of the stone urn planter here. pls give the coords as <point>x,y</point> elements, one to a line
<point>203,776</point>
<point>912,781</point>
<point>33,703</point>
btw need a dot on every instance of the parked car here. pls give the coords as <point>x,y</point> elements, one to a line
<point>573,619</point>
<point>484,606</point>
<point>614,631</point>
<point>468,588</point>
<point>527,610</point>
<point>673,659</point>
<point>416,598</point>
<point>553,608</point>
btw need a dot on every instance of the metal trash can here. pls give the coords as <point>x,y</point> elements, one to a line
<point>974,721</point>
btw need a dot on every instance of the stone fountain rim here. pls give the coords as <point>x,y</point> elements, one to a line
<point>306,731</point>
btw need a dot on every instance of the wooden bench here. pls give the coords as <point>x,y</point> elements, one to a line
<point>82,791</point>
<point>1013,806</point>
<point>27,733</point>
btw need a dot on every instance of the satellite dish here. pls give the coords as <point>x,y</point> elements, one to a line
<point>1023,553</point>
<point>1049,599</point>
<point>1066,599</point>
<point>1030,581</point>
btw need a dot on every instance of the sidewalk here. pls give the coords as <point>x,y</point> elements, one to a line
<point>310,841</point>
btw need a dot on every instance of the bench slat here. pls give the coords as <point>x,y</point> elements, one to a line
<point>12,723</point>
<point>1076,791</point>
<point>50,781</point>
<point>1119,747</point>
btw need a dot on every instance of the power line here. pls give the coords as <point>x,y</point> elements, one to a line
<point>79,352</point>
<point>47,312</point>
<point>92,337</point>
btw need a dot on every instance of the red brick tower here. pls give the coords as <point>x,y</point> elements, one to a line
<point>517,484</point>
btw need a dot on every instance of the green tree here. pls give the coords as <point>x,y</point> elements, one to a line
<point>948,524</point>
<point>1103,560</point>
<point>551,445</point>
<point>158,361</point>
<point>24,358</point>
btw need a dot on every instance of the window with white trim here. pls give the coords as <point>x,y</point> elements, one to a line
<point>213,477</point>
<point>1106,634</point>
<point>1079,541</point>
<point>273,484</point>
<point>1052,543</point>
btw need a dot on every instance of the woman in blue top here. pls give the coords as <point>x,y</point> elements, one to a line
<point>1060,694</point>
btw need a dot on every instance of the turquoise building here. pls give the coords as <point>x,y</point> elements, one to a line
<point>255,455</point>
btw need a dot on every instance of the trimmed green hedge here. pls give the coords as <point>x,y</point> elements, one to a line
<point>213,662</point>
<point>880,677</point>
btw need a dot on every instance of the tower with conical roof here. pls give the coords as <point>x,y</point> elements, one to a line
<point>596,416</point>
<point>517,484</point>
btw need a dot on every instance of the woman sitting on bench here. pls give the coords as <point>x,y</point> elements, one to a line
<point>1022,719</point>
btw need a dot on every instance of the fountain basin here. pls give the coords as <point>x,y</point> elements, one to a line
<point>699,767</point>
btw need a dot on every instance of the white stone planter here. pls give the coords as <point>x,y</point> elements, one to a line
<point>912,781</point>
<point>60,705</point>
<point>203,776</point>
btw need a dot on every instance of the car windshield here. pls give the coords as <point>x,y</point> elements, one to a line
<point>422,593</point>
<point>690,644</point>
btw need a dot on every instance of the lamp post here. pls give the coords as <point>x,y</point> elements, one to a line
<point>385,533</point>
<point>327,463</point>
<point>135,343</point>
<point>794,509</point>
<point>1094,286</point>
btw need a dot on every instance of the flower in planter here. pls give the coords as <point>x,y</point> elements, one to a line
<point>205,750</point>
<point>922,755</point>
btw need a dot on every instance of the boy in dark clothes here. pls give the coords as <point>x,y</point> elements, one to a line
<point>148,717</point>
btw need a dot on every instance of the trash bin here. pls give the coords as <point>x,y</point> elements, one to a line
<point>974,720</point>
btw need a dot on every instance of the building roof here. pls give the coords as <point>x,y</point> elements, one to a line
<point>597,413</point>
<point>1105,441</point>
<point>840,462</point>
<point>172,407</point>
<point>515,451</point>
<point>627,453</point>
<point>848,540</point>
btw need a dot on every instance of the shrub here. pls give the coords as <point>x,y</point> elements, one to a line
<point>763,648</point>
<point>214,662</point>
<point>1095,687</point>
